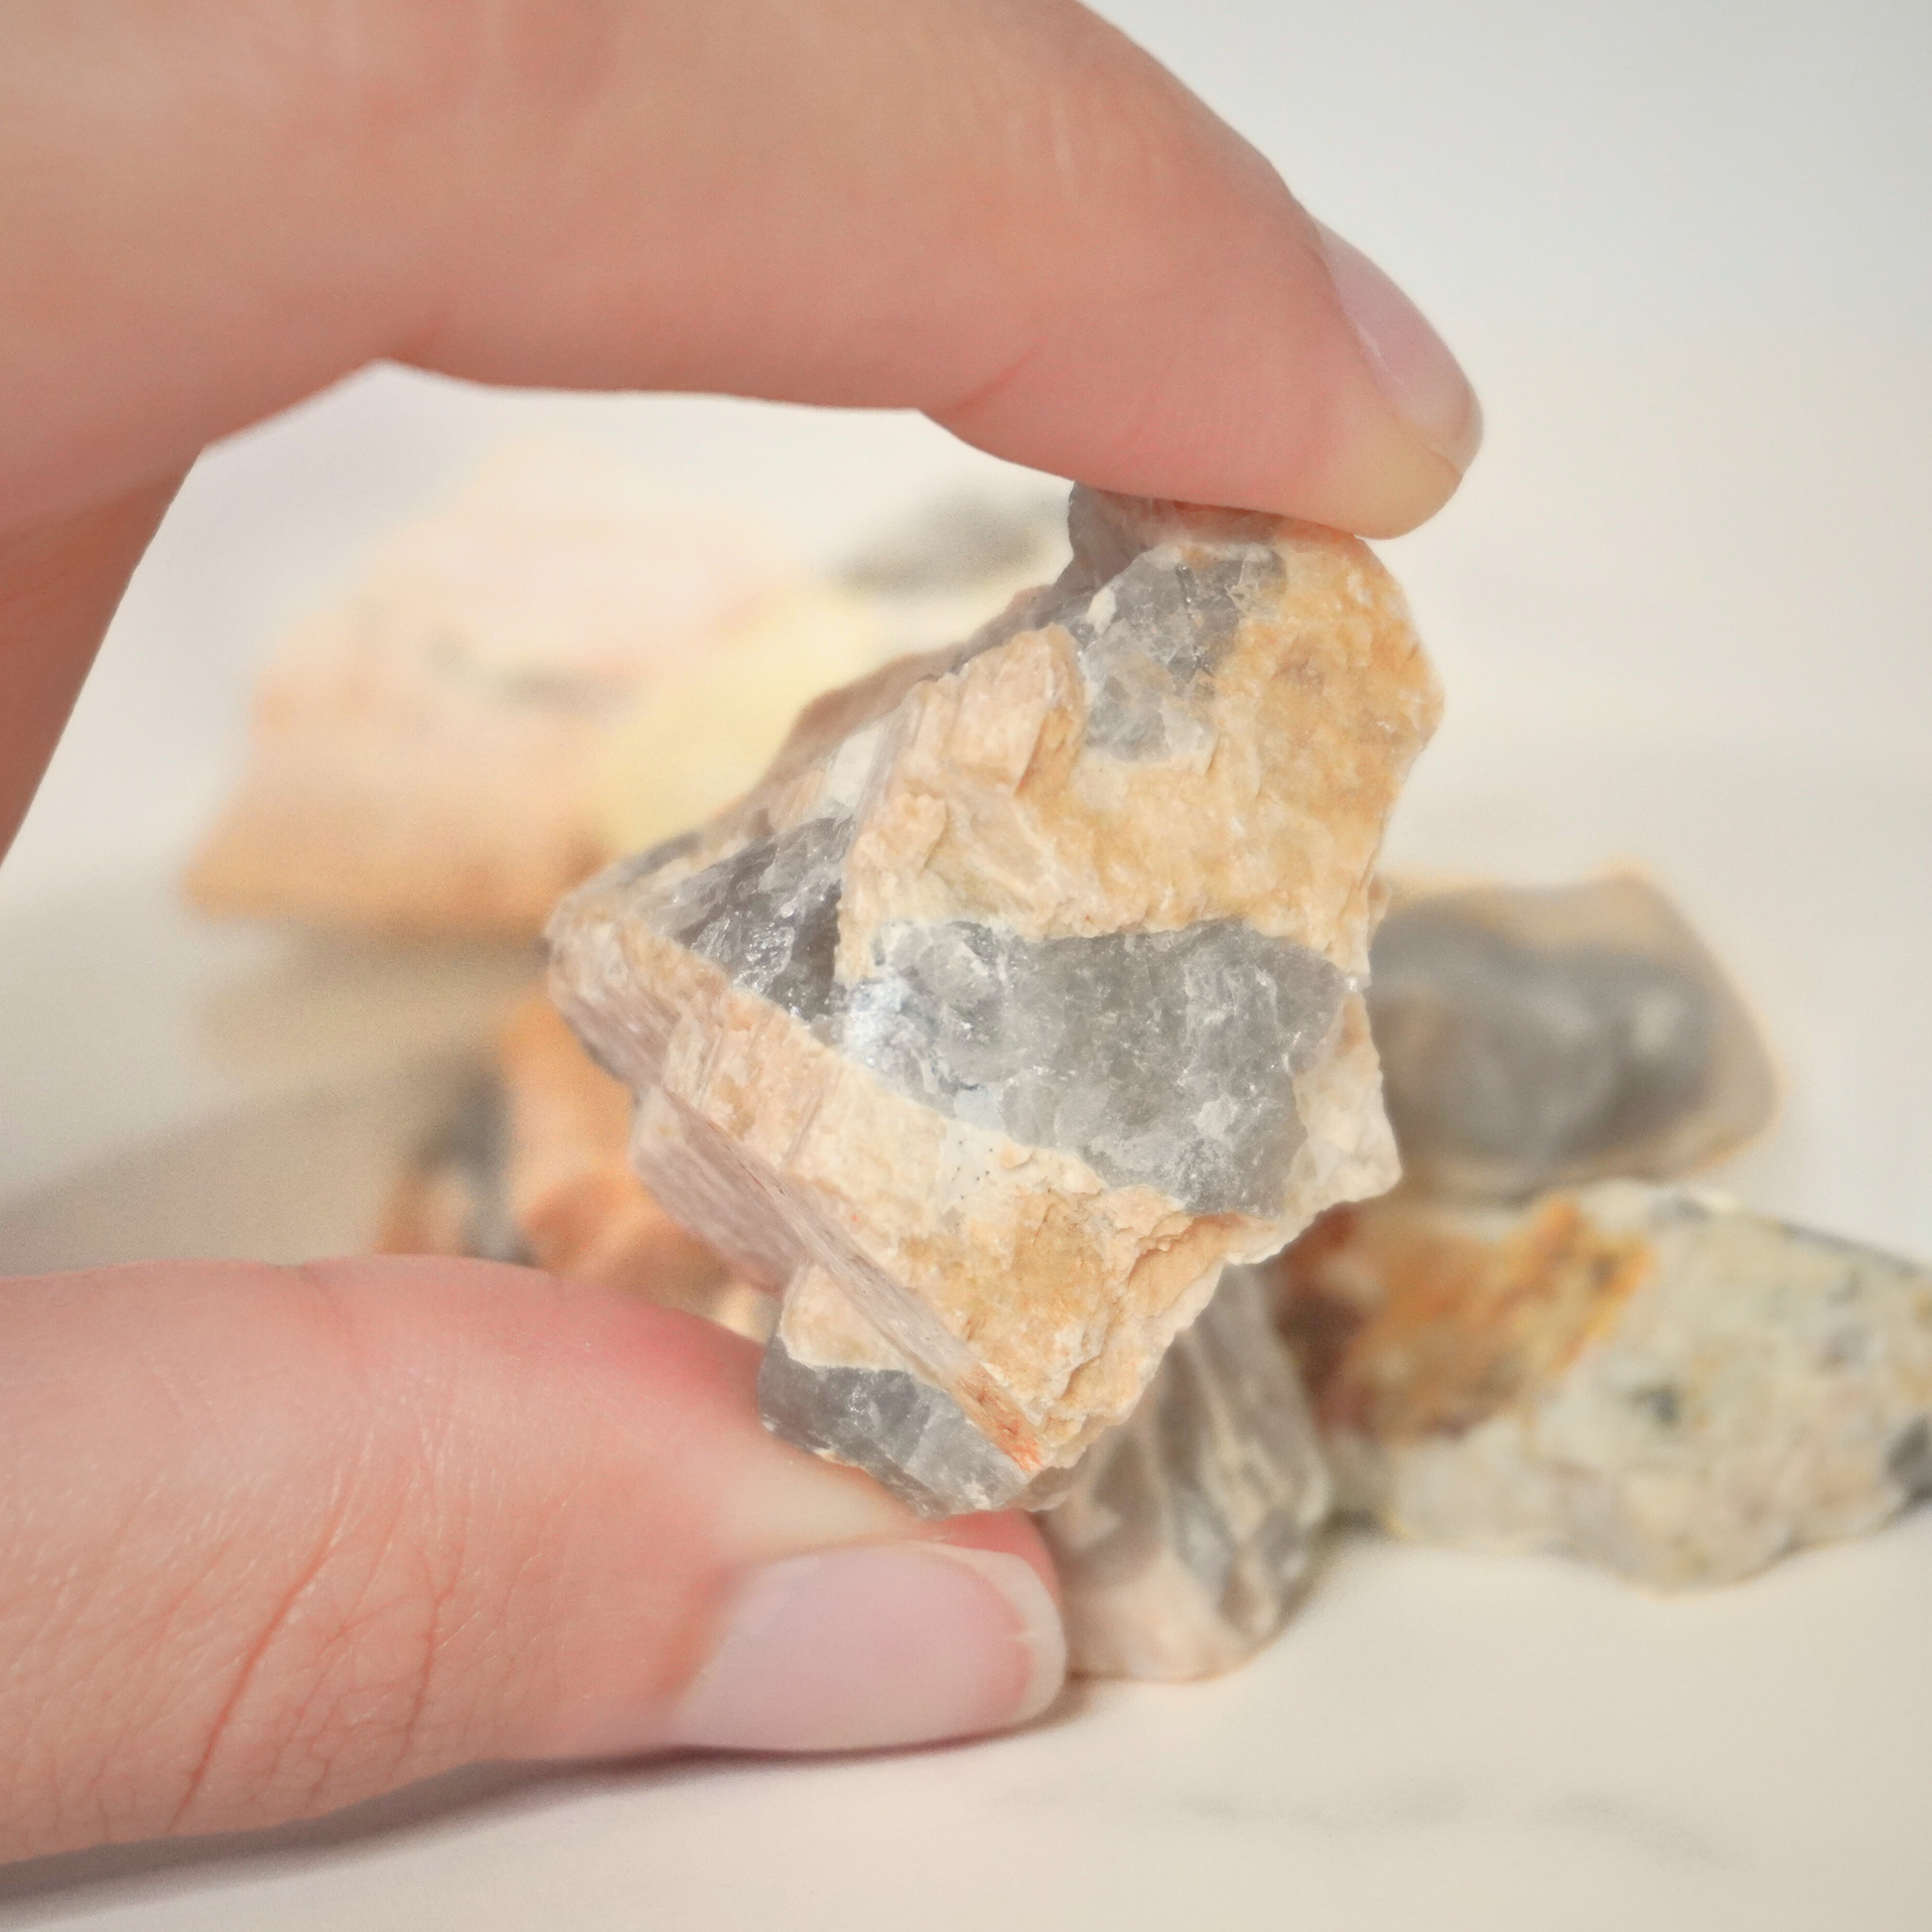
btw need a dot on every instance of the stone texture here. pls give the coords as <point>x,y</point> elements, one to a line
<point>1024,993</point>
<point>1653,1379</point>
<point>1531,1038</point>
<point>533,1168</point>
<point>1189,1532</point>
<point>1185,1537</point>
<point>565,663</point>
<point>831,1383</point>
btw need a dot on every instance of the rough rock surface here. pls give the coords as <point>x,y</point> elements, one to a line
<point>1187,1535</point>
<point>1531,1038</point>
<point>532,1168</point>
<point>1024,993</point>
<point>702,734</point>
<point>1654,1379</point>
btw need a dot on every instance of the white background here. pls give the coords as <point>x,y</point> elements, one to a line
<point>1682,608</point>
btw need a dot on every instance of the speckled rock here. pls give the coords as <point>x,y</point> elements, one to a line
<point>1024,991</point>
<point>1651,1378</point>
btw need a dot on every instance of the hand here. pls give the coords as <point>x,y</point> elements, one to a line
<point>275,1539</point>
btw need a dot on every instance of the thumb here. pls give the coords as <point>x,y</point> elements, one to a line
<point>272,1541</point>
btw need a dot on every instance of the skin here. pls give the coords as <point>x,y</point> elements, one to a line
<point>272,1541</point>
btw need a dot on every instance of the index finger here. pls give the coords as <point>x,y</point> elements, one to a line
<point>998,212</point>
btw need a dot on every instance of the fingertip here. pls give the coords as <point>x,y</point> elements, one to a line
<point>1260,362</point>
<point>1006,214</point>
<point>1417,373</point>
<point>876,1646</point>
<point>407,1514</point>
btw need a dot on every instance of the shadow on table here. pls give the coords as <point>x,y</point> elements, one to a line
<point>38,1892</point>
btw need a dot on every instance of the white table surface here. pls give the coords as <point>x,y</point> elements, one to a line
<point>1684,612</point>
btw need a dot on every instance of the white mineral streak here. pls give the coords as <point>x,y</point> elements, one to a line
<point>1187,1534</point>
<point>1024,993</point>
<point>1653,1379</point>
<point>1531,1038</point>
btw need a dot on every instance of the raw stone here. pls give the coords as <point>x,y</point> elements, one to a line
<point>1188,1533</point>
<point>1531,1038</point>
<point>531,1166</point>
<point>703,735</point>
<point>1653,1379</point>
<point>1024,991</point>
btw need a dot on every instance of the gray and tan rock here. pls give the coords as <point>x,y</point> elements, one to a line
<point>532,1167</point>
<point>1024,993</point>
<point>1537,1037</point>
<point>702,734</point>
<point>1654,1379</point>
<point>1187,1535</point>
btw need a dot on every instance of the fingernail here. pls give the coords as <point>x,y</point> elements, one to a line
<point>878,1645</point>
<point>1423,382</point>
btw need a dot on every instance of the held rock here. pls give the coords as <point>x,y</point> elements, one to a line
<point>1024,991</point>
